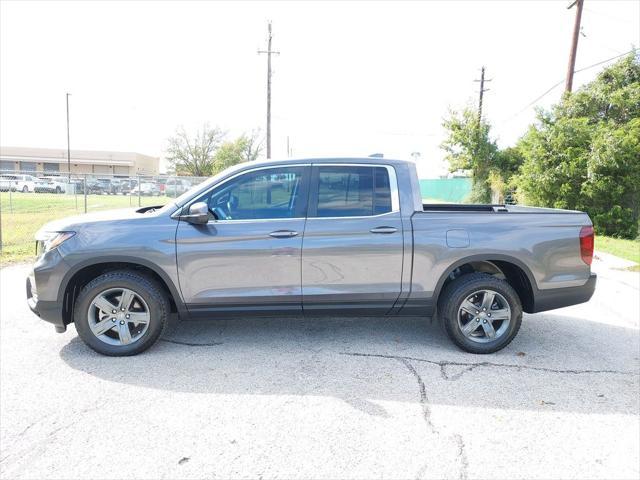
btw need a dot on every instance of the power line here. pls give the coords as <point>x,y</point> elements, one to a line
<point>609,17</point>
<point>598,43</point>
<point>605,61</point>
<point>533,102</point>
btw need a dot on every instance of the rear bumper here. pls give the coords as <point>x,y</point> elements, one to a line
<point>563,297</point>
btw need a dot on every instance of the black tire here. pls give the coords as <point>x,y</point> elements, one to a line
<point>145,287</point>
<point>58,190</point>
<point>25,189</point>
<point>460,289</point>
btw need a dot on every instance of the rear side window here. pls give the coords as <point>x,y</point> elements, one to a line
<point>353,191</point>
<point>382,191</point>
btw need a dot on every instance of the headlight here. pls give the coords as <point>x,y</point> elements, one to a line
<point>50,240</point>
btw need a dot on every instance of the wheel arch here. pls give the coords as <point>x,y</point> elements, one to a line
<point>84,272</point>
<point>515,272</point>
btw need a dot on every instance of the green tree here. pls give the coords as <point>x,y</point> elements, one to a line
<point>194,155</point>
<point>207,153</point>
<point>612,190</point>
<point>469,147</point>
<point>555,162</point>
<point>251,146</point>
<point>243,149</point>
<point>585,152</point>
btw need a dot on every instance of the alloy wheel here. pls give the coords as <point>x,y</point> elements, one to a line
<point>484,316</point>
<point>118,316</point>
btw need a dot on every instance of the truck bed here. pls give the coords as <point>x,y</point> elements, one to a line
<point>461,207</point>
<point>489,208</point>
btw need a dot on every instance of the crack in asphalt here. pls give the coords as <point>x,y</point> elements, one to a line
<point>462,455</point>
<point>472,366</point>
<point>426,410</point>
<point>34,450</point>
<point>424,400</point>
<point>431,429</point>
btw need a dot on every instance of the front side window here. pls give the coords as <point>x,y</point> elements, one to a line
<point>353,191</point>
<point>261,194</point>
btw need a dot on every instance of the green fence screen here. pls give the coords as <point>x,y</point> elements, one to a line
<point>445,190</point>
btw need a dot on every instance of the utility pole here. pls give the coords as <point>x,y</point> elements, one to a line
<point>479,126</point>
<point>482,90</point>
<point>68,143</point>
<point>268,51</point>
<point>574,45</point>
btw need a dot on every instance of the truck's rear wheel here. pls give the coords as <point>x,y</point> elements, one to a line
<point>121,313</point>
<point>480,313</point>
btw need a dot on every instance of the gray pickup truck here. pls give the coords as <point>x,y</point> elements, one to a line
<point>309,237</point>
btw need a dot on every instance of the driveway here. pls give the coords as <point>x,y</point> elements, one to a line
<point>327,398</point>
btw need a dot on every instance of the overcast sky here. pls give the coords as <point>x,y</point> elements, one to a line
<point>351,79</point>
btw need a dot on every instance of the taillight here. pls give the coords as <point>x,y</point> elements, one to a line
<point>586,244</point>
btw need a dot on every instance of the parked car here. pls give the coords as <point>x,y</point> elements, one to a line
<point>234,246</point>
<point>106,186</point>
<point>146,190</point>
<point>45,185</point>
<point>51,185</point>
<point>127,185</point>
<point>77,185</point>
<point>173,187</point>
<point>95,188</point>
<point>7,184</point>
<point>17,183</point>
<point>161,182</point>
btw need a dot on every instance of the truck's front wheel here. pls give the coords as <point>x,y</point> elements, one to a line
<point>121,313</point>
<point>481,313</point>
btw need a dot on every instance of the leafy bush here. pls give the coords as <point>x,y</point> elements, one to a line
<point>585,153</point>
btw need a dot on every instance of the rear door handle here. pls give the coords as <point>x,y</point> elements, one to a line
<point>384,230</point>
<point>283,234</point>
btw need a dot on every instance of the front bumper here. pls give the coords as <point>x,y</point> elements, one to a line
<point>51,311</point>
<point>563,297</point>
<point>42,288</point>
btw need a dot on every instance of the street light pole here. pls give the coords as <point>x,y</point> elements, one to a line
<point>68,144</point>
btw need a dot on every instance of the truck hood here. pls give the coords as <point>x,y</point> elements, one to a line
<point>82,221</point>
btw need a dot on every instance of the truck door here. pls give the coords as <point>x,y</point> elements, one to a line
<point>246,259</point>
<point>353,240</point>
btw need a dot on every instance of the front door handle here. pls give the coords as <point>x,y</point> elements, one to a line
<point>283,234</point>
<point>384,230</point>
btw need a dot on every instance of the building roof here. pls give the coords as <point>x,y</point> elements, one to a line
<point>56,155</point>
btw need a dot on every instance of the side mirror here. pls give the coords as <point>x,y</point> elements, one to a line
<point>198,214</point>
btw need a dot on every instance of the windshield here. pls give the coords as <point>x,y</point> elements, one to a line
<point>201,187</point>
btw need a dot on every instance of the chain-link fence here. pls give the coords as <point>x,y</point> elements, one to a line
<point>29,199</point>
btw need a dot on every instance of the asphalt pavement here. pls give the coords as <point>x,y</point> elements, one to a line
<point>327,397</point>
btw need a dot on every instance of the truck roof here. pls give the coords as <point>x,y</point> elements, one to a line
<point>286,161</point>
<point>182,199</point>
